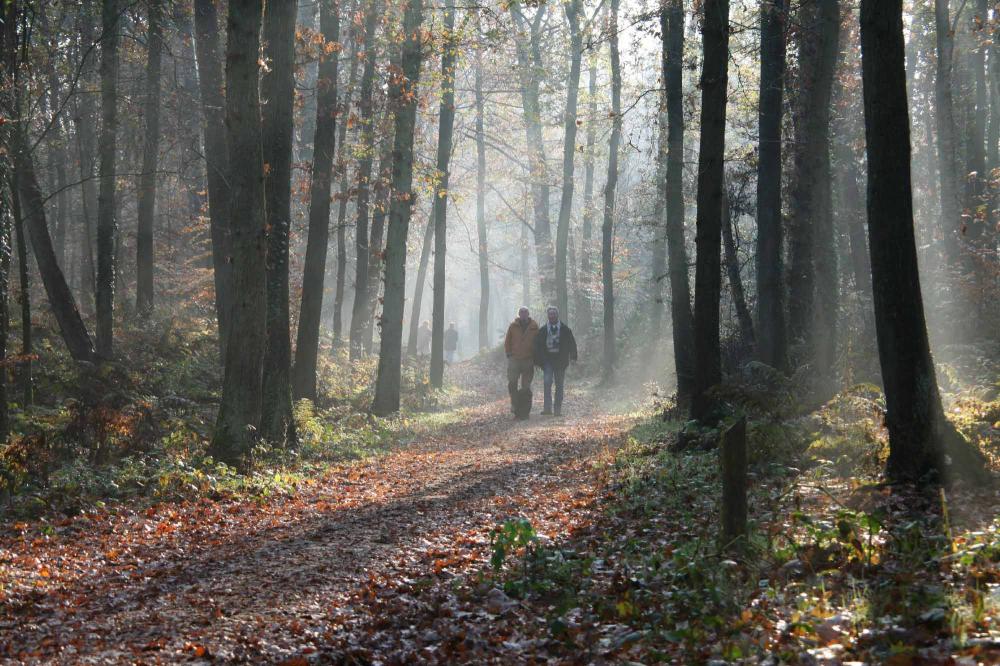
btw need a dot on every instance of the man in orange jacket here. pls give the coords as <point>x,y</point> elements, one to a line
<point>520,348</point>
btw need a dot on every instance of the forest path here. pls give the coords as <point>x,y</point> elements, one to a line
<point>295,579</point>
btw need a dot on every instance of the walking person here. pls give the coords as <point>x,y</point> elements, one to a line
<point>519,345</point>
<point>450,343</point>
<point>424,338</point>
<point>555,349</point>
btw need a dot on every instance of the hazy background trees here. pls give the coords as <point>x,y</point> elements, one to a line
<point>649,135</point>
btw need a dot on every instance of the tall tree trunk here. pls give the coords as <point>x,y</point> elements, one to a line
<point>446,126</point>
<point>681,317</point>
<point>107,226</point>
<point>951,207</point>
<point>7,193</point>
<point>586,315</point>
<point>481,231</point>
<point>85,120</point>
<point>403,97</point>
<point>6,189</point>
<point>771,345</point>
<point>366,104</point>
<point>525,267</point>
<point>71,326</point>
<point>733,273</point>
<point>817,60</point>
<point>147,182</point>
<point>376,242</point>
<point>59,156</point>
<point>850,206</point>
<point>324,149</point>
<point>980,229</point>
<point>213,104</point>
<point>827,282</point>
<point>914,417</point>
<point>29,206</point>
<point>573,10</point>
<point>416,308</point>
<point>24,376</point>
<point>658,253</point>
<point>343,196</point>
<point>993,137</point>
<point>240,409</point>
<point>531,68</point>
<point>712,145</point>
<point>277,129</point>
<point>607,228</point>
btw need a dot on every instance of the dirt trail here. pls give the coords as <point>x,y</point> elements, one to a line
<point>289,579</point>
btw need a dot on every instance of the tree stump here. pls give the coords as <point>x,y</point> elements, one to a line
<point>733,462</point>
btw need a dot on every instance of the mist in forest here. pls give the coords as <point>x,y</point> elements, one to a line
<point>688,183</point>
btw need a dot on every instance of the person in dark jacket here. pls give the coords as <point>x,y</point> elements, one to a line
<point>555,349</point>
<point>450,343</point>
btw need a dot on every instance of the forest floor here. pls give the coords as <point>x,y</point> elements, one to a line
<point>289,578</point>
<point>590,538</point>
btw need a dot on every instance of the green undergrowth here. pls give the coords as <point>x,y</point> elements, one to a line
<point>836,567</point>
<point>138,430</point>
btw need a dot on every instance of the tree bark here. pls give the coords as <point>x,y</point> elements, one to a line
<point>7,190</point>
<point>714,79</point>
<point>481,231</point>
<point>771,346</point>
<point>976,228</point>
<point>658,253</point>
<point>607,228</point>
<point>343,197</point>
<point>850,206</point>
<point>586,316</point>
<point>32,203</point>
<point>213,104</point>
<point>733,272</point>
<point>324,149</point>
<point>277,87</point>
<point>681,317</point>
<point>530,71</point>
<point>59,158</point>
<point>29,208</point>
<point>367,107</point>
<point>6,183</point>
<point>376,240</point>
<point>446,126</point>
<point>403,97</point>
<point>818,57</point>
<point>914,416</point>
<point>951,207</point>
<point>107,225</point>
<point>827,296</point>
<point>147,181</point>
<point>573,11</point>
<point>240,409</point>
<point>993,137</point>
<point>418,288</point>
<point>85,121</point>
<point>23,370</point>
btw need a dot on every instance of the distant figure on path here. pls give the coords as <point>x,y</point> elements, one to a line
<point>555,348</point>
<point>520,348</point>
<point>424,338</point>
<point>450,343</point>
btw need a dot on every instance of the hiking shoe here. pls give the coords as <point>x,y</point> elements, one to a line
<point>546,413</point>
<point>558,412</point>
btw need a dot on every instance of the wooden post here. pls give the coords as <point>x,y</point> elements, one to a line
<point>733,460</point>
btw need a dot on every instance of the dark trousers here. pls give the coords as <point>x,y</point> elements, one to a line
<point>554,374</point>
